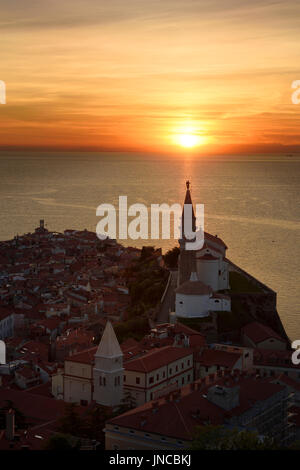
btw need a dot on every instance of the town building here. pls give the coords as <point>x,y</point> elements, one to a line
<point>234,400</point>
<point>257,335</point>
<point>107,373</point>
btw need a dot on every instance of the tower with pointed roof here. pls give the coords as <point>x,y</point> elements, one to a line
<point>209,261</point>
<point>187,258</point>
<point>108,370</point>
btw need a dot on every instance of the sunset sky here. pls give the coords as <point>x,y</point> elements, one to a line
<point>142,74</point>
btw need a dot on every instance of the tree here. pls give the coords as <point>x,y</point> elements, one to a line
<point>95,423</point>
<point>171,257</point>
<point>219,438</point>
<point>147,251</point>
<point>70,422</point>
<point>61,442</point>
<point>128,403</point>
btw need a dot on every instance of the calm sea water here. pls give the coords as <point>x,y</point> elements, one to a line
<point>251,203</point>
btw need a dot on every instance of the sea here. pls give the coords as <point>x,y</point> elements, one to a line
<point>251,202</point>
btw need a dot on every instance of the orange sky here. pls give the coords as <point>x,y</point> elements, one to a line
<point>136,74</point>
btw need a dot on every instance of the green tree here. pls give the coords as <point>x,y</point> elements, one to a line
<point>218,438</point>
<point>71,422</point>
<point>128,403</point>
<point>95,422</point>
<point>147,251</point>
<point>171,257</point>
<point>61,442</point>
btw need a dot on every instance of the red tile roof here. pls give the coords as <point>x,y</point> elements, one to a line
<point>214,238</point>
<point>268,357</point>
<point>177,417</point>
<point>32,349</point>
<point>258,332</point>
<point>157,358</point>
<point>42,389</point>
<point>84,357</point>
<point>36,408</point>
<point>214,357</point>
<point>181,328</point>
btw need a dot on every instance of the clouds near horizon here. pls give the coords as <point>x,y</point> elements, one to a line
<point>130,75</point>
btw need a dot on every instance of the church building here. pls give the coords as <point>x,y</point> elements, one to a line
<point>202,273</point>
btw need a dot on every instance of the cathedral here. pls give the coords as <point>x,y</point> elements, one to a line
<point>202,273</point>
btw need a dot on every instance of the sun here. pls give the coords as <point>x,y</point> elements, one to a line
<point>189,134</point>
<point>188,140</point>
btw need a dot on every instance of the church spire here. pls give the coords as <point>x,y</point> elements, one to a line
<point>108,370</point>
<point>187,258</point>
<point>188,201</point>
<point>109,345</point>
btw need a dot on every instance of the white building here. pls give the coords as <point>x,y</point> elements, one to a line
<point>98,373</point>
<point>158,372</point>
<point>194,299</point>
<point>212,268</point>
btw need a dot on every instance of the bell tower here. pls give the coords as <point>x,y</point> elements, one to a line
<point>108,370</point>
<point>187,258</point>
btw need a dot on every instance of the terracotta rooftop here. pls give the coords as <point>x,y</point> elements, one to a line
<point>258,332</point>
<point>83,357</point>
<point>214,357</point>
<point>178,415</point>
<point>157,358</point>
<point>274,358</point>
<point>36,408</point>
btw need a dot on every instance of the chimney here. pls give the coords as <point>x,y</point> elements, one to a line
<point>10,424</point>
